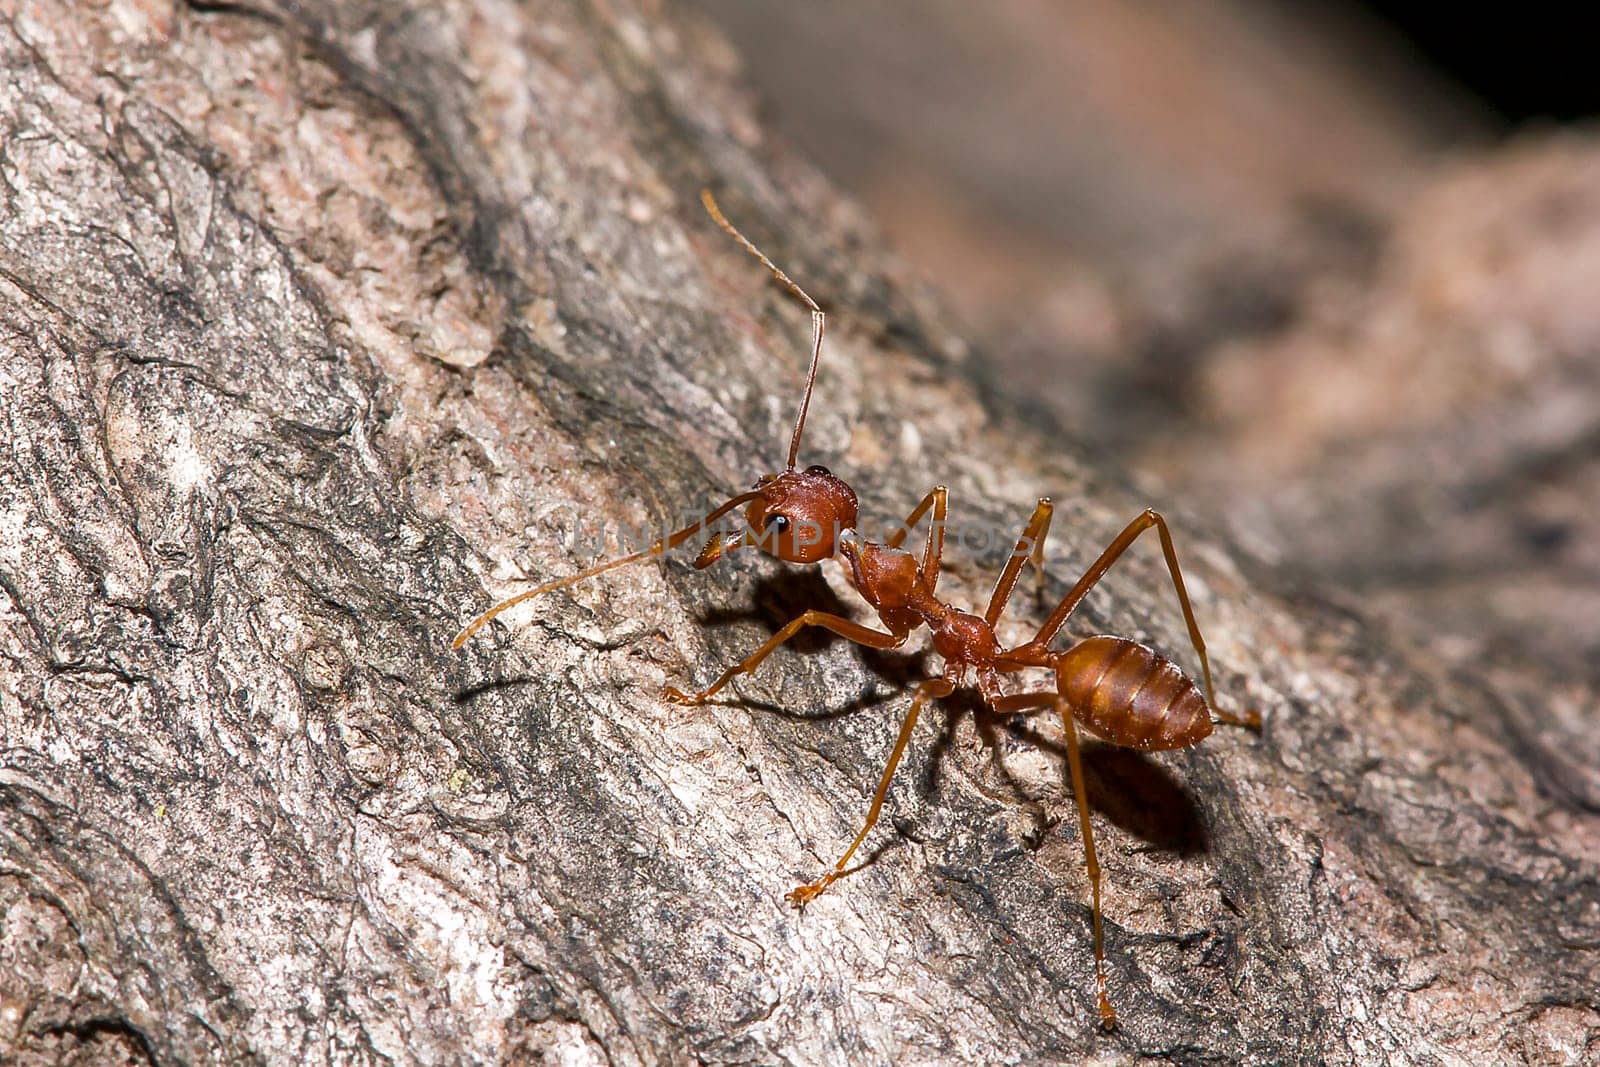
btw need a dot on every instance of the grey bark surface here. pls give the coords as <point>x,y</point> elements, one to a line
<point>321,321</point>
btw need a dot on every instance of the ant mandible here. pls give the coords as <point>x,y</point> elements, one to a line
<point>1122,691</point>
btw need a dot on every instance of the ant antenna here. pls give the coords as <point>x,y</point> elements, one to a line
<point>817,317</point>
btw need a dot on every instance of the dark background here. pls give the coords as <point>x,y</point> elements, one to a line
<point>1531,61</point>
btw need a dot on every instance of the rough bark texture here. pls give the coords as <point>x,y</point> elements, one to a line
<point>319,319</point>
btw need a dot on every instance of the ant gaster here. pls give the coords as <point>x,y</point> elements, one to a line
<point>1120,690</point>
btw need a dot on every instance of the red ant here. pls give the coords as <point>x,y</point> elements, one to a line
<point>1120,690</point>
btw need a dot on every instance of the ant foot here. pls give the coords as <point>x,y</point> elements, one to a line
<point>674,695</point>
<point>1108,1014</point>
<point>1250,719</point>
<point>802,895</point>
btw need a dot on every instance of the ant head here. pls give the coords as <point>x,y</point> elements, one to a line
<point>796,516</point>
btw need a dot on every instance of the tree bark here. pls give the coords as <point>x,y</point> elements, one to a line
<point>323,321</point>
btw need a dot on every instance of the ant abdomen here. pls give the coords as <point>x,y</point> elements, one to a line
<point>1132,695</point>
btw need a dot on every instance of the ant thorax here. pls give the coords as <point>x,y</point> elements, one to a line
<point>887,577</point>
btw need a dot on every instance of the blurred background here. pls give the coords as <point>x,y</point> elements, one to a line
<point>1325,275</point>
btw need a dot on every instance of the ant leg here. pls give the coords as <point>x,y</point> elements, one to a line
<point>1108,1014</point>
<point>1029,545</point>
<point>938,499</point>
<point>1022,702</point>
<point>1033,701</point>
<point>1036,557</point>
<point>800,896</point>
<point>658,547</point>
<point>1250,719</point>
<point>1092,576</point>
<point>851,631</point>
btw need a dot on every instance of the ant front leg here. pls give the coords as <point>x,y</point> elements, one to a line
<point>1029,546</point>
<point>845,628</point>
<point>938,499</point>
<point>800,896</point>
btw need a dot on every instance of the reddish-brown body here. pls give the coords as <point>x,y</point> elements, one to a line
<point>1122,691</point>
<point>1129,693</point>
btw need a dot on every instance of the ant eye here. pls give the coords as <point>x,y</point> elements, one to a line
<point>817,468</point>
<point>778,524</point>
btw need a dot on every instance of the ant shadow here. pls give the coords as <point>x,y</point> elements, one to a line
<point>1139,795</point>
<point>1136,793</point>
<point>469,694</point>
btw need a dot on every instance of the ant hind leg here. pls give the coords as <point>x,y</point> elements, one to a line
<point>1108,1014</point>
<point>1021,702</point>
<point>1145,520</point>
